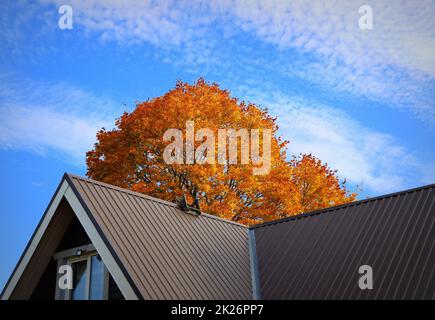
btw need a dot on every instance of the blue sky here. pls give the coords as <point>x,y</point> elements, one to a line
<point>361,100</point>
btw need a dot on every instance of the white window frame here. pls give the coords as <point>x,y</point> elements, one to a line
<point>69,257</point>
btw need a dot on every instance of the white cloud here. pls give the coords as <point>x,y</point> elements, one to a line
<point>62,120</point>
<point>394,62</point>
<point>41,130</point>
<point>374,160</point>
<point>52,119</point>
<point>403,32</point>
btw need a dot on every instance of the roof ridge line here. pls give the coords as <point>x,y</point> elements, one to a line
<point>151,198</point>
<point>264,224</point>
<point>341,206</point>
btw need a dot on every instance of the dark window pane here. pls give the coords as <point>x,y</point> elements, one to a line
<point>79,289</point>
<point>97,279</point>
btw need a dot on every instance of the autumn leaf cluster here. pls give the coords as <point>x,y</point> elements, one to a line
<point>131,156</point>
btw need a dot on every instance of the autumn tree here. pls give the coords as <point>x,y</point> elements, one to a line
<point>133,156</point>
<point>318,185</point>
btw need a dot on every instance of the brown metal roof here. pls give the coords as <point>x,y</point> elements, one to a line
<point>167,253</point>
<point>317,255</point>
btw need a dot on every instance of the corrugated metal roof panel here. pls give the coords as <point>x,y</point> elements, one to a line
<point>165,253</point>
<point>317,256</point>
<point>170,254</point>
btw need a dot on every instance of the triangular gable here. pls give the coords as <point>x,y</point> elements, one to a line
<point>46,237</point>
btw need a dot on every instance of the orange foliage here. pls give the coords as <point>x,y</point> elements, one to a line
<point>131,156</point>
<point>317,184</point>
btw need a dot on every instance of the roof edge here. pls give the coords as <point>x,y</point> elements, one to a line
<point>103,236</point>
<point>26,248</point>
<point>142,195</point>
<point>342,206</point>
<point>66,185</point>
<point>264,224</point>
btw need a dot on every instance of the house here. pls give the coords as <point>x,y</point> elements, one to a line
<point>124,245</point>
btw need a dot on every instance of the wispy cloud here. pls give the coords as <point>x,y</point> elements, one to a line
<point>372,159</point>
<point>402,35</point>
<point>317,41</point>
<point>52,119</point>
<point>247,43</point>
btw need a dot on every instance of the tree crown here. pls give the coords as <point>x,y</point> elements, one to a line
<point>132,156</point>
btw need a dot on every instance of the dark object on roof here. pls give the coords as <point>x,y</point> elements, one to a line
<point>154,250</point>
<point>193,208</point>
